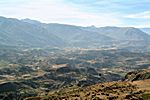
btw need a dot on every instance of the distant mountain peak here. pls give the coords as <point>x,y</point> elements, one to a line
<point>31,21</point>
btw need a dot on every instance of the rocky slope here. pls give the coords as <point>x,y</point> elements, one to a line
<point>125,90</point>
<point>138,75</point>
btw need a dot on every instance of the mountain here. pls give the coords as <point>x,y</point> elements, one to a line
<point>34,22</point>
<point>146,30</point>
<point>74,35</point>
<point>91,39</point>
<point>87,36</point>
<point>121,33</point>
<point>14,32</point>
<point>32,33</point>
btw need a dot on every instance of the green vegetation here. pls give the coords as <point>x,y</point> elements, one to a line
<point>146,96</point>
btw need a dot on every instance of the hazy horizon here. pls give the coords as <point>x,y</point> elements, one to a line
<point>72,24</point>
<point>99,13</point>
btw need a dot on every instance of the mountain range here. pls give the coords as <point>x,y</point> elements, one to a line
<point>32,33</point>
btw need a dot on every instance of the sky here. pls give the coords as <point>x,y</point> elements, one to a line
<point>124,13</point>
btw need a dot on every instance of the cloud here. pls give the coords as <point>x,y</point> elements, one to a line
<point>142,15</point>
<point>80,12</point>
<point>56,11</point>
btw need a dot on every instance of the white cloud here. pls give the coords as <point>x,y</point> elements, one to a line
<point>144,15</point>
<point>57,11</point>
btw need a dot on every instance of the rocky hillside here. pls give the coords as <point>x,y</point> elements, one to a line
<point>125,90</point>
<point>101,91</point>
<point>138,75</point>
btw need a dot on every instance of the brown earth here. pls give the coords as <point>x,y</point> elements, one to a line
<point>102,91</point>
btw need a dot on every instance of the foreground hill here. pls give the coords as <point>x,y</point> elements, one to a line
<point>125,90</point>
<point>138,75</point>
<point>137,90</point>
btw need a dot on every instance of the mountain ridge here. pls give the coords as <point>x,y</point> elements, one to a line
<point>32,33</point>
<point>22,33</point>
